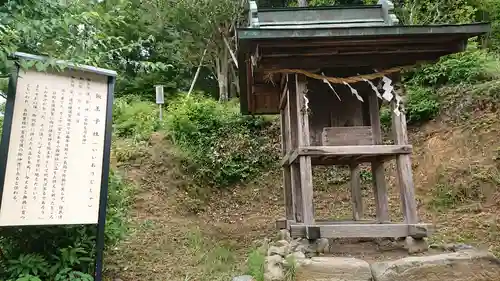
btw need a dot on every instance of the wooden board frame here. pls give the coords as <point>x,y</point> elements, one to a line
<point>6,134</point>
<point>356,229</point>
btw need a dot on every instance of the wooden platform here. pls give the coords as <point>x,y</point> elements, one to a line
<point>360,229</point>
<point>345,155</point>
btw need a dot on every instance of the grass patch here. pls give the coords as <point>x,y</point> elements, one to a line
<point>255,264</point>
<point>220,147</point>
<point>214,260</point>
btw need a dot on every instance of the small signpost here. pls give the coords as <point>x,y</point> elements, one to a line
<point>160,99</point>
<point>55,148</point>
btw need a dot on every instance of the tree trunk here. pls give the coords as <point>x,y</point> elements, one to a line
<point>222,68</point>
<point>235,82</point>
<point>303,3</point>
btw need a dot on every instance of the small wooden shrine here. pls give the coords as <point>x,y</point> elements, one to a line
<point>326,71</point>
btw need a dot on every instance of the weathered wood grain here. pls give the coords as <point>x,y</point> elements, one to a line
<point>294,143</point>
<point>288,193</point>
<point>364,230</point>
<point>403,167</point>
<point>344,136</point>
<point>376,150</point>
<point>304,161</point>
<point>378,171</point>
<point>356,198</point>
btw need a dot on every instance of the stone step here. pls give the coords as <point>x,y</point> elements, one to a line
<point>468,265</point>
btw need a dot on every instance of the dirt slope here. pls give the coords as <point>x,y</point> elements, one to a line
<point>175,237</point>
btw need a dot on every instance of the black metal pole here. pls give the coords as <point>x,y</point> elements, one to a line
<point>103,200</point>
<point>7,126</point>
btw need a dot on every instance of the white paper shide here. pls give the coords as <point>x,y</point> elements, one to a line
<point>54,164</point>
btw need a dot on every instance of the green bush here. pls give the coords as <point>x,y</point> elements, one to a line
<point>221,147</point>
<point>422,105</point>
<point>134,118</point>
<point>57,253</point>
<point>470,66</point>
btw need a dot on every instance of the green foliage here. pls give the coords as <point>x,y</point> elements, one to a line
<point>68,274</point>
<point>30,264</point>
<point>26,278</point>
<point>446,196</point>
<point>422,105</point>
<point>436,11</point>
<point>61,252</point>
<point>135,119</point>
<point>366,175</point>
<point>221,146</point>
<point>255,264</point>
<point>466,67</point>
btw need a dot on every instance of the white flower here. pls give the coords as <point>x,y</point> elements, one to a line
<point>144,53</point>
<point>81,28</point>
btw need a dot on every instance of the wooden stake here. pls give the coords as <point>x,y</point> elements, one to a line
<point>293,142</point>
<point>403,162</point>
<point>289,193</point>
<point>304,141</point>
<point>378,182</point>
<point>356,197</point>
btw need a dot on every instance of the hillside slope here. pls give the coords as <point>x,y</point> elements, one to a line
<point>176,236</point>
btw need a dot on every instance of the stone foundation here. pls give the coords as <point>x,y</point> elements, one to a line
<point>315,261</point>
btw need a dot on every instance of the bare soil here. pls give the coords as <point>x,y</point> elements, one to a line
<point>175,237</point>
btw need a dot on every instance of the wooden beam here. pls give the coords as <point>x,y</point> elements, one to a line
<point>378,171</point>
<point>288,193</point>
<point>306,184</point>
<point>292,107</point>
<point>356,197</point>
<point>375,150</point>
<point>390,41</point>
<point>328,222</point>
<point>364,230</point>
<point>403,166</point>
<point>285,161</point>
<point>284,98</point>
<point>329,52</point>
<point>283,224</point>
<point>351,61</point>
<point>354,135</point>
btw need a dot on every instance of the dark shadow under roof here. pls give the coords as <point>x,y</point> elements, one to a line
<point>378,47</point>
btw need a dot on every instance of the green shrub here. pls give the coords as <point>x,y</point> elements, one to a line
<point>255,265</point>
<point>422,105</point>
<point>135,119</point>
<point>61,252</point>
<point>470,66</point>
<point>221,147</point>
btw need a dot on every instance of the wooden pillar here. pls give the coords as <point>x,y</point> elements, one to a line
<point>289,193</point>
<point>356,198</point>
<point>301,171</point>
<point>403,163</point>
<point>294,143</point>
<point>378,170</point>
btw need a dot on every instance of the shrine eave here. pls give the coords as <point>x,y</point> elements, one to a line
<point>362,47</point>
<point>277,32</point>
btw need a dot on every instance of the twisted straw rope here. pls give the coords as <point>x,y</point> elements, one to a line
<point>336,80</point>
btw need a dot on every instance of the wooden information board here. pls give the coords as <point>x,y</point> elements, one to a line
<point>53,171</point>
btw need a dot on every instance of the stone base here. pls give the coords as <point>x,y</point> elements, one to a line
<point>468,265</point>
<point>334,269</point>
<point>301,256</point>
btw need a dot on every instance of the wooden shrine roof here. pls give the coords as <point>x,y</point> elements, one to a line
<point>334,38</point>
